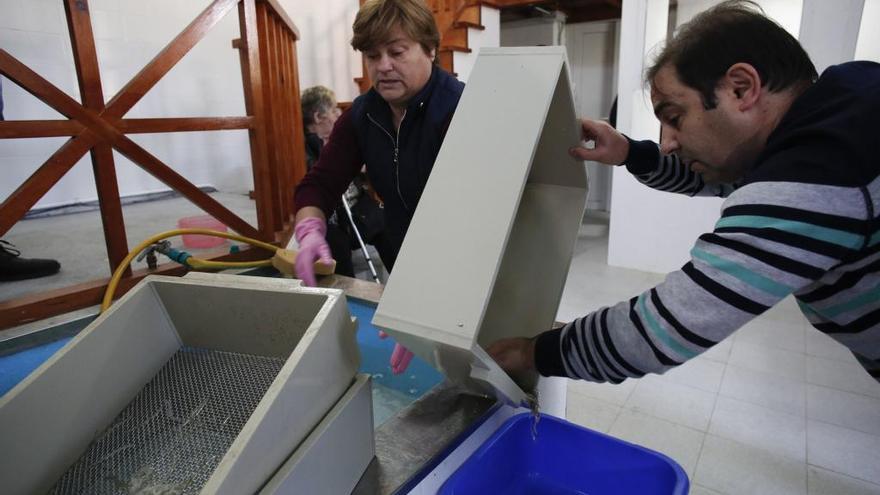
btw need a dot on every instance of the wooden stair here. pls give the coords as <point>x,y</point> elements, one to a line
<point>454,20</point>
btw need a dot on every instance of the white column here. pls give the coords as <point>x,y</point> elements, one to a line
<point>868,46</point>
<point>829,30</point>
<point>643,27</point>
<point>636,230</point>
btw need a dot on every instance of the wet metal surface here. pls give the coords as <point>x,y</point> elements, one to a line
<point>416,435</point>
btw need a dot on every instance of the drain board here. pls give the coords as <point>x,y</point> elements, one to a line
<point>177,429</point>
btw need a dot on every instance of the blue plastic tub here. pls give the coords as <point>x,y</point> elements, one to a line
<point>564,459</point>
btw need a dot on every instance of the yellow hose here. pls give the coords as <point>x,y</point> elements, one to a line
<point>195,263</point>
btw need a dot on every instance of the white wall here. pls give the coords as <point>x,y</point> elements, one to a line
<point>652,230</point>
<point>536,31</point>
<point>830,30</point>
<point>325,54</point>
<point>207,82</point>
<point>868,44</point>
<point>786,12</point>
<point>637,218</point>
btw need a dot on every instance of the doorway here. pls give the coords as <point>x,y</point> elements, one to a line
<point>592,54</point>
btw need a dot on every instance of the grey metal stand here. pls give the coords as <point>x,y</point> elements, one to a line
<point>360,240</point>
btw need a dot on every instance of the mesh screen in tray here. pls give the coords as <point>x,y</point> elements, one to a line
<point>174,433</point>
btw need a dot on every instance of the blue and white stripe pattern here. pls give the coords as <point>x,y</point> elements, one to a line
<point>804,221</point>
<point>813,241</point>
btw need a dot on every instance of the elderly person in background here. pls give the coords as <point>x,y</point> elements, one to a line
<point>319,112</point>
<point>395,130</point>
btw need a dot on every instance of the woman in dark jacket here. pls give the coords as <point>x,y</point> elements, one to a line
<point>395,129</point>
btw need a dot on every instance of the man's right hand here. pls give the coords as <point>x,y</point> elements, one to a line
<point>609,146</point>
<point>515,355</point>
<point>310,234</point>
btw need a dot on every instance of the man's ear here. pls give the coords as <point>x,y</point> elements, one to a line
<point>744,82</point>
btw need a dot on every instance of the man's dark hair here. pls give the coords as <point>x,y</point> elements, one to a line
<point>732,32</point>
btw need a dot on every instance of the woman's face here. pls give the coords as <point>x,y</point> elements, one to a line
<point>399,68</point>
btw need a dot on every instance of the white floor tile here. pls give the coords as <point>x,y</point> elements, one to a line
<point>853,411</point>
<point>845,451</point>
<point>680,404</point>
<point>612,279</point>
<point>702,490</point>
<point>608,392</point>
<point>77,240</point>
<point>779,334</point>
<point>772,431</point>
<point>843,375</point>
<point>758,435</point>
<point>823,482</point>
<point>719,352</point>
<point>700,372</point>
<point>678,442</point>
<point>735,468</point>
<point>576,303</point>
<point>591,413</point>
<point>764,389</point>
<point>768,359</point>
<point>821,345</point>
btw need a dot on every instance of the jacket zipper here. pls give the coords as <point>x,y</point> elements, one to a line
<point>395,140</point>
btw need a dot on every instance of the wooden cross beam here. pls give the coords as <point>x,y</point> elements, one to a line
<point>96,127</point>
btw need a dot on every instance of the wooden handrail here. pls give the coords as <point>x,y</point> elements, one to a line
<point>267,50</point>
<point>18,129</point>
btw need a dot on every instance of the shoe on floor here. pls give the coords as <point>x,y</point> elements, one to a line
<point>14,267</point>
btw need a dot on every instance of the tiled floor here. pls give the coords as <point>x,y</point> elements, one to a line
<point>777,408</point>
<point>77,240</point>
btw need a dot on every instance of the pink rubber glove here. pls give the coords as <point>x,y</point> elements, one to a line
<point>310,233</point>
<point>400,359</point>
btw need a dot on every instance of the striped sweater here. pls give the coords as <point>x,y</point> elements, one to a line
<point>803,221</point>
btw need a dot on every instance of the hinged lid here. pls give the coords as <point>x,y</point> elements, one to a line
<point>489,246</point>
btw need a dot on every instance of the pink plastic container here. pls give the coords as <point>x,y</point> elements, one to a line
<point>201,222</point>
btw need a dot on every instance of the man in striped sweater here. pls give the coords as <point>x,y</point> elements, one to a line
<point>744,116</point>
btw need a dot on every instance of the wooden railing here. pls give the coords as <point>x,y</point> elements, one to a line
<point>269,73</point>
<point>276,88</point>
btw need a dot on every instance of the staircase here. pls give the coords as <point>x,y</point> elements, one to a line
<point>465,26</point>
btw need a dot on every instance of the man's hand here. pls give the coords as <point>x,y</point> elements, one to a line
<point>516,356</point>
<point>610,147</point>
